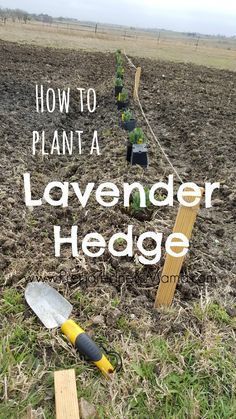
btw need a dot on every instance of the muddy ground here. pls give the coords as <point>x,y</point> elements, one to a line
<point>192,110</point>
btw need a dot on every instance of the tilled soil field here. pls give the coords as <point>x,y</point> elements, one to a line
<point>192,111</point>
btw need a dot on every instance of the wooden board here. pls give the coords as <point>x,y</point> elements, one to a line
<point>137,82</point>
<point>169,277</point>
<point>67,406</point>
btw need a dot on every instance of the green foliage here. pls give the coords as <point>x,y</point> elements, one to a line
<point>123,96</point>
<point>127,115</point>
<point>119,82</point>
<point>137,136</point>
<point>119,61</point>
<point>120,241</point>
<point>135,201</point>
<point>120,72</point>
<point>118,56</point>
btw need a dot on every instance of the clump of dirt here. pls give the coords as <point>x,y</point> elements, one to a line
<point>192,111</point>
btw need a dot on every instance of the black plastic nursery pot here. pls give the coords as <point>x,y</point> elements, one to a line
<point>122,105</point>
<point>129,125</point>
<point>139,155</point>
<point>118,89</point>
<point>129,147</point>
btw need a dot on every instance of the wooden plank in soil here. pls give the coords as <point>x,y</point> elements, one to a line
<point>67,406</point>
<point>185,220</point>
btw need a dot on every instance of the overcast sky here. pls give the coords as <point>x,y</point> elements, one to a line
<point>205,16</point>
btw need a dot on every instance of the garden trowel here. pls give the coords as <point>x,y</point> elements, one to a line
<point>54,310</point>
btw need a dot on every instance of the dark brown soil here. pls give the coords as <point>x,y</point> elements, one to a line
<point>192,110</point>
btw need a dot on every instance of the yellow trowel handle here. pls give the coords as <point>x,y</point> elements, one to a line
<point>86,347</point>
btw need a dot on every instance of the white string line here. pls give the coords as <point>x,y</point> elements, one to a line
<point>150,128</point>
<point>130,62</point>
<point>155,138</point>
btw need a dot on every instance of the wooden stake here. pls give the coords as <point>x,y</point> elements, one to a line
<point>67,406</point>
<point>169,278</point>
<point>137,82</point>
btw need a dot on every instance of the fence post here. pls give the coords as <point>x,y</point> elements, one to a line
<point>137,82</point>
<point>185,220</point>
<point>197,43</point>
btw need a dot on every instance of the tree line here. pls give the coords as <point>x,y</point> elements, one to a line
<point>18,15</point>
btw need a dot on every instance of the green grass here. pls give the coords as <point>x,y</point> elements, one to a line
<point>189,374</point>
<point>11,302</point>
<point>218,313</point>
<point>190,389</point>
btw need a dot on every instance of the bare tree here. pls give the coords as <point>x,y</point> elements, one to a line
<point>19,14</point>
<point>4,15</point>
<point>25,17</point>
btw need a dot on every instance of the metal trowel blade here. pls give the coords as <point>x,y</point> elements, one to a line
<point>50,307</point>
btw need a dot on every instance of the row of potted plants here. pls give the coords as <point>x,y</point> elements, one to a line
<point>121,94</point>
<point>136,144</point>
<point>136,140</point>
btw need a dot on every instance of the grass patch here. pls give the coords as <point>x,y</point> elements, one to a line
<point>218,313</point>
<point>187,380</point>
<point>185,375</point>
<point>11,302</point>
